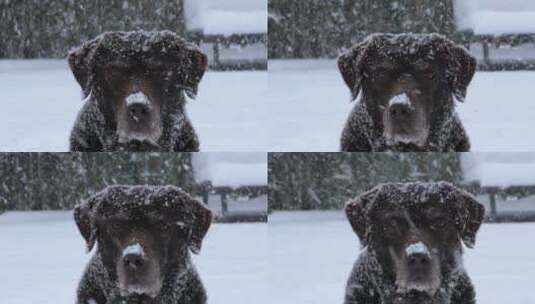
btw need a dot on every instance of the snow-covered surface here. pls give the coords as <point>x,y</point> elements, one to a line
<point>510,206</point>
<point>231,169</point>
<point>311,104</point>
<point>312,253</point>
<point>500,169</point>
<point>496,16</point>
<point>40,101</point>
<point>238,205</point>
<point>227,17</point>
<point>492,22</point>
<point>43,247</point>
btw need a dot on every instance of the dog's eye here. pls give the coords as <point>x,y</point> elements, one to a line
<point>396,223</point>
<point>116,227</point>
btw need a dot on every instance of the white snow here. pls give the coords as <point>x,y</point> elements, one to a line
<point>228,23</point>
<point>231,169</point>
<point>311,103</point>
<point>495,17</point>
<point>401,99</point>
<point>417,248</point>
<point>496,23</point>
<point>499,169</point>
<point>227,17</point>
<point>41,100</point>
<point>134,249</point>
<point>138,97</point>
<point>312,253</point>
<point>43,247</point>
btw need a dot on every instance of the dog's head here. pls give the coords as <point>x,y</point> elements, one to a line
<point>143,233</point>
<point>138,77</point>
<point>415,229</point>
<point>406,79</point>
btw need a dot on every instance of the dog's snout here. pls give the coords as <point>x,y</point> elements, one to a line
<point>133,261</point>
<point>418,260</point>
<point>138,111</point>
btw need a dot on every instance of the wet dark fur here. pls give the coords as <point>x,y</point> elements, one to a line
<point>135,205</point>
<point>96,125</point>
<point>373,277</point>
<point>454,68</point>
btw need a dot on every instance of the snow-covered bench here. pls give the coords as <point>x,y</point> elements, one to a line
<point>506,185</point>
<point>507,25</point>
<point>232,32</point>
<point>233,187</point>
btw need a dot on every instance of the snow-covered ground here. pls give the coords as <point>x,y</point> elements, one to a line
<point>299,257</point>
<point>312,253</point>
<point>310,103</point>
<point>40,100</point>
<point>43,256</point>
<point>300,105</point>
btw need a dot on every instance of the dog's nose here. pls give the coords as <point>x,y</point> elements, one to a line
<point>139,111</point>
<point>418,260</point>
<point>398,110</point>
<point>133,261</point>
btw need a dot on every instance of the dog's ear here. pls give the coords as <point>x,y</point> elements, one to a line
<point>80,64</point>
<point>350,66</point>
<point>469,216</point>
<point>198,221</point>
<point>356,213</point>
<point>460,69</point>
<point>196,64</point>
<point>84,217</point>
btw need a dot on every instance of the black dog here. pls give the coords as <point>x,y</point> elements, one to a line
<point>408,84</point>
<point>134,85</point>
<point>411,234</point>
<point>144,234</point>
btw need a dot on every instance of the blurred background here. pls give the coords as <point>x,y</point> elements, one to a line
<point>233,185</point>
<point>503,182</point>
<point>499,33</point>
<point>232,32</point>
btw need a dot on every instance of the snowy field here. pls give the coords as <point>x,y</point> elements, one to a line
<point>311,103</point>
<point>43,257</point>
<point>312,253</point>
<point>41,99</point>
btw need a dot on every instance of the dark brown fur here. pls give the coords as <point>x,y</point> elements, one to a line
<point>144,235</point>
<point>412,238</point>
<point>134,85</point>
<point>407,84</point>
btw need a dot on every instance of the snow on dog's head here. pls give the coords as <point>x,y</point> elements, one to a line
<point>407,83</point>
<point>417,228</point>
<point>142,231</point>
<point>138,81</point>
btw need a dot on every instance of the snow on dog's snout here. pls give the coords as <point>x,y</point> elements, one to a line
<point>138,97</point>
<point>417,248</point>
<point>401,99</point>
<point>136,249</point>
